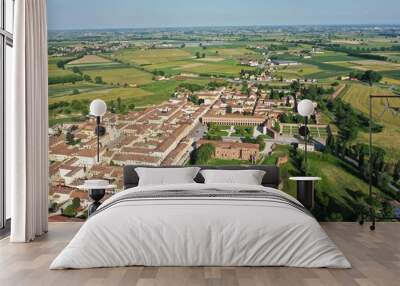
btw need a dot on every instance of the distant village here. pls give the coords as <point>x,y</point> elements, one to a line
<point>166,134</point>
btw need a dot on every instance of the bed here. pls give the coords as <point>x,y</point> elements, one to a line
<point>201,224</point>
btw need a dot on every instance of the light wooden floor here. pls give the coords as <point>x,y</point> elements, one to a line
<point>375,257</point>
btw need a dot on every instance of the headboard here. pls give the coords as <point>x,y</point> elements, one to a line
<point>271,178</point>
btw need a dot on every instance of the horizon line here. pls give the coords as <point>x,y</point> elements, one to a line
<point>227,26</point>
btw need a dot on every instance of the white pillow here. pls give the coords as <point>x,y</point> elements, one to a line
<point>166,176</point>
<point>247,177</point>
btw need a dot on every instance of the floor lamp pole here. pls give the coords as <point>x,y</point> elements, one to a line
<point>305,144</point>
<point>98,137</point>
<point>371,211</point>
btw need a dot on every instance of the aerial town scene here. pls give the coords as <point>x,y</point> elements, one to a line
<point>227,96</point>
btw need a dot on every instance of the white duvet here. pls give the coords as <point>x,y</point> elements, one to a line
<point>200,232</point>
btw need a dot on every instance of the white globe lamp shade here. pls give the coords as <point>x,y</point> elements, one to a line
<point>306,108</point>
<point>98,107</point>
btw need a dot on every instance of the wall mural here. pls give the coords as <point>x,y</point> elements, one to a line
<point>228,96</point>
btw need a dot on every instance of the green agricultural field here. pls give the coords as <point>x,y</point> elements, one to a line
<point>57,90</point>
<point>227,67</point>
<point>89,59</point>
<point>301,71</point>
<point>127,94</point>
<point>329,56</point>
<point>149,94</point>
<point>54,70</point>
<point>389,139</point>
<point>364,65</point>
<point>130,76</point>
<point>162,90</point>
<point>223,52</point>
<point>176,61</point>
<point>323,62</point>
<point>151,56</point>
<point>395,56</point>
<point>392,77</point>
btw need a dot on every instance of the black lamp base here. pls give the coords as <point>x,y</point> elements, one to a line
<point>96,196</point>
<point>305,193</point>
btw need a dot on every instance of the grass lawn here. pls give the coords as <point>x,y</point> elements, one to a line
<point>242,131</point>
<point>337,194</point>
<point>222,162</point>
<point>389,139</point>
<point>218,130</point>
<point>279,151</point>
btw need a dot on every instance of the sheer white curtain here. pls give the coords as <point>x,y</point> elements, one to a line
<point>27,123</point>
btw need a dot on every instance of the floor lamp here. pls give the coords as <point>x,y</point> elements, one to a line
<point>306,109</point>
<point>371,211</point>
<point>98,108</point>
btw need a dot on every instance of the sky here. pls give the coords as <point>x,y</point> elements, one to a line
<point>101,14</point>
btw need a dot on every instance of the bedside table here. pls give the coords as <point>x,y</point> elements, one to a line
<point>305,190</point>
<point>96,193</point>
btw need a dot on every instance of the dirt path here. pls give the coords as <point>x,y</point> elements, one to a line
<point>338,91</point>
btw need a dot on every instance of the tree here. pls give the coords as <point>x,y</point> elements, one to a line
<point>112,106</point>
<point>183,45</point>
<point>396,172</point>
<point>197,55</point>
<point>85,111</point>
<point>287,101</point>
<point>296,88</point>
<point>131,106</point>
<point>61,64</point>
<point>371,77</point>
<point>76,202</point>
<point>75,91</point>
<point>70,138</point>
<point>119,103</point>
<point>229,109</point>
<point>69,211</point>
<point>260,140</point>
<point>194,99</point>
<point>76,70</point>
<point>330,144</point>
<point>283,118</point>
<point>98,80</point>
<point>204,153</point>
<point>87,77</point>
<point>277,126</point>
